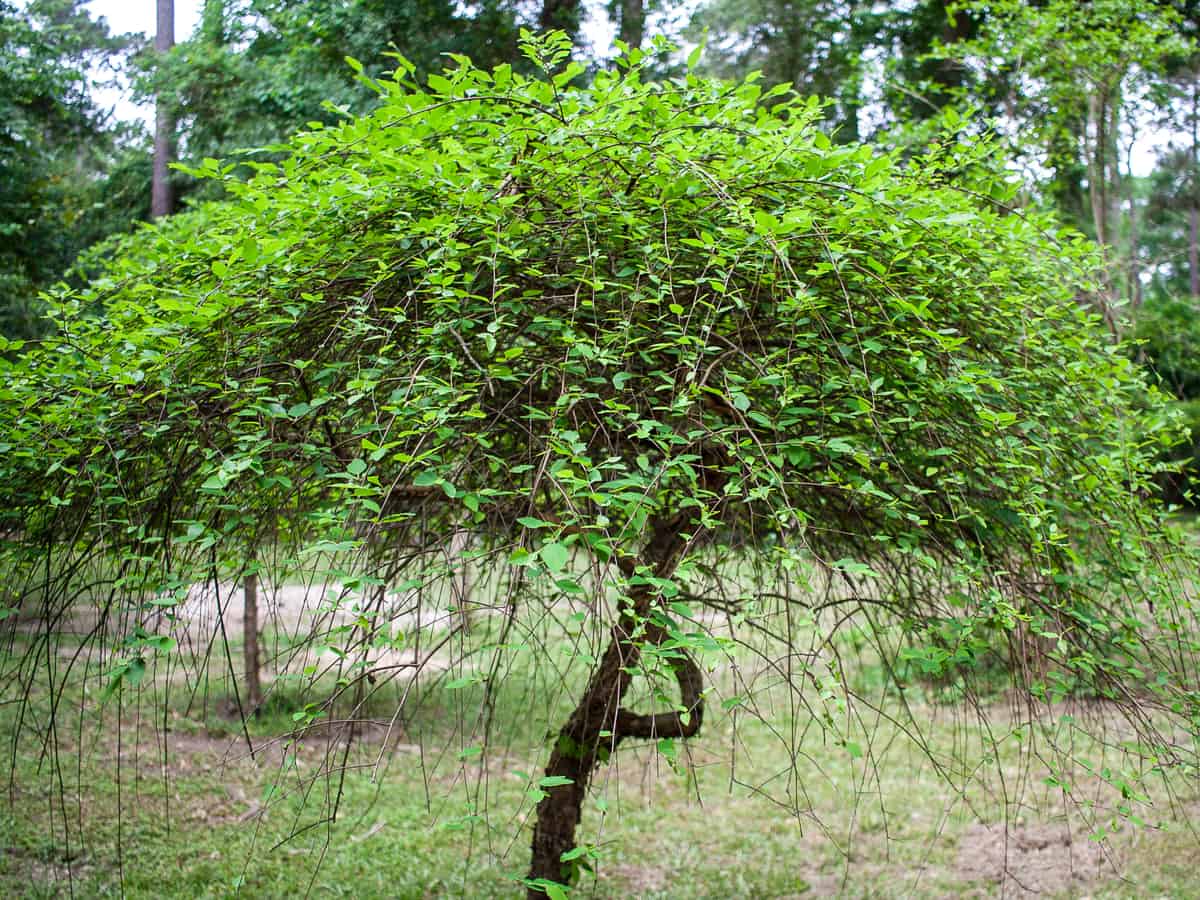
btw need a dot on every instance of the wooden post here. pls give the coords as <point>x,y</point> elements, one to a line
<point>460,576</point>
<point>250,639</point>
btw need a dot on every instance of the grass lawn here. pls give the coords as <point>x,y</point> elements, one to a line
<point>153,793</point>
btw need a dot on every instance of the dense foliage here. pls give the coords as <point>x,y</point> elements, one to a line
<point>65,173</point>
<point>1072,87</point>
<point>255,72</point>
<point>659,347</point>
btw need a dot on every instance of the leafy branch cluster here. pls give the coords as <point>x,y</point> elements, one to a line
<point>626,337</point>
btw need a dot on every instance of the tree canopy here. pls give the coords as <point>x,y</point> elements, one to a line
<point>657,346</point>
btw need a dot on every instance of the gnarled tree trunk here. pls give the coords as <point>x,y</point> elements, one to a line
<point>599,723</point>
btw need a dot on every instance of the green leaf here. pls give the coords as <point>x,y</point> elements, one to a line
<point>215,482</point>
<point>551,889</point>
<point>555,556</point>
<point>440,84</point>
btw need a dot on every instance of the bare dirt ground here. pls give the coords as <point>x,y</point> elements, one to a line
<point>300,608</point>
<point>302,626</point>
<point>1033,860</point>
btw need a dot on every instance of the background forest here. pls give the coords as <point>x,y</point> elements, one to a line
<point>434,389</point>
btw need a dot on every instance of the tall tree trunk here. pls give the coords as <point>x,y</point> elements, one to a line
<point>1113,192</point>
<point>250,640</point>
<point>633,23</point>
<point>1098,166</point>
<point>949,73</point>
<point>1114,177</point>
<point>1135,236</point>
<point>1194,201</point>
<point>1103,161</point>
<point>162,200</point>
<point>1194,251</point>
<point>1135,268</point>
<point>563,15</point>
<point>599,723</point>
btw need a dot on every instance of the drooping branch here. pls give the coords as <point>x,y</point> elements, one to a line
<point>682,723</point>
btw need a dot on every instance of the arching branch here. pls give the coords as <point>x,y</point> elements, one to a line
<point>683,723</point>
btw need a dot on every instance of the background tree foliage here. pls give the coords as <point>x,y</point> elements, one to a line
<point>660,347</point>
<point>67,176</point>
<point>256,71</point>
<point>814,47</point>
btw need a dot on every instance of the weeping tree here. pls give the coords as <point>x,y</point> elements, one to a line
<point>658,349</point>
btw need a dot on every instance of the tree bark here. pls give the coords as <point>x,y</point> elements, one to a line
<point>633,23</point>
<point>1193,211</point>
<point>949,73</point>
<point>1098,167</point>
<point>250,642</point>
<point>1103,162</point>
<point>162,200</point>
<point>563,15</point>
<point>599,723</point>
<point>1194,251</point>
<point>1135,237</point>
<point>1114,178</point>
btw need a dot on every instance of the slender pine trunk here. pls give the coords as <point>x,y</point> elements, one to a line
<point>162,199</point>
<point>561,15</point>
<point>633,23</point>
<point>1194,201</point>
<point>1194,251</point>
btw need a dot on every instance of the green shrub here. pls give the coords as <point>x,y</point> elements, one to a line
<point>661,348</point>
